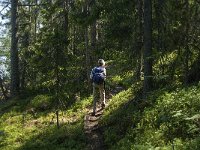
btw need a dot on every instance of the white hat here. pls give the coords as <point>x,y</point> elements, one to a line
<point>101,62</point>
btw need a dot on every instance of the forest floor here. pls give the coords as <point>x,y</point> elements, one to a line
<point>92,129</point>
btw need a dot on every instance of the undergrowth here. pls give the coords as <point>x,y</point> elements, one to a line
<point>31,124</point>
<point>167,120</point>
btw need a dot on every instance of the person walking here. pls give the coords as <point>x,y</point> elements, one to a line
<point>98,76</point>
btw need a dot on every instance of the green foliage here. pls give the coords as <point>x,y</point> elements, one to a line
<point>171,120</point>
<point>21,129</point>
<point>41,102</point>
<point>115,126</point>
<point>193,144</point>
<point>118,75</point>
<point>115,103</point>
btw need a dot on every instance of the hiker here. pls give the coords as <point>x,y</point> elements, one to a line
<point>98,75</point>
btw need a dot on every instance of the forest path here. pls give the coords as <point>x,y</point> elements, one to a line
<point>92,129</point>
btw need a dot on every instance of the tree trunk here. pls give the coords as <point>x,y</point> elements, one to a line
<point>14,51</point>
<point>66,20</point>
<point>35,20</point>
<point>159,25</point>
<point>87,55</point>
<point>186,53</point>
<point>93,37</point>
<point>139,39</point>
<point>147,47</point>
<point>3,90</point>
<point>93,42</point>
<point>160,28</point>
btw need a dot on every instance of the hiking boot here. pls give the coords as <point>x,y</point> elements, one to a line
<point>103,106</point>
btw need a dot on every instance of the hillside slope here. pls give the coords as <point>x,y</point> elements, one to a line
<point>168,118</point>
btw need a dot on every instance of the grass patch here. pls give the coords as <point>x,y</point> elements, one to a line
<point>21,130</point>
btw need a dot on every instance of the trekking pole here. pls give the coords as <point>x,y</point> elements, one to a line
<point>104,85</point>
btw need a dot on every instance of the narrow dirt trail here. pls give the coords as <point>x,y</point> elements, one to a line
<point>93,131</point>
<point>91,125</point>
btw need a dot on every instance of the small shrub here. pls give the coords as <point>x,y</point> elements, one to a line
<point>41,102</point>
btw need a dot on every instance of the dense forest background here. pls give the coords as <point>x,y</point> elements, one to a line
<point>55,43</point>
<point>151,49</point>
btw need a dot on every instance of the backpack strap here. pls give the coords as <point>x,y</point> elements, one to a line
<point>93,72</point>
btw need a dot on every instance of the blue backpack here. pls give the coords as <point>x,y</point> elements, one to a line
<point>98,75</point>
